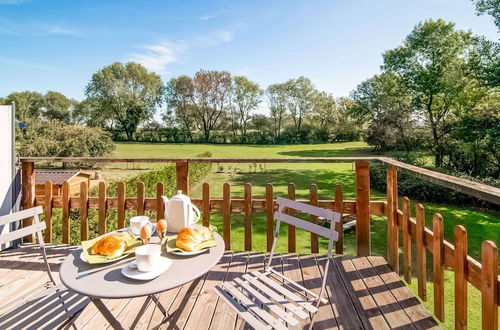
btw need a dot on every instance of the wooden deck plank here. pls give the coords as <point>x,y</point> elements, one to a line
<point>203,309</point>
<point>325,317</point>
<point>411,305</point>
<point>362,292</point>
<point>387,303</point>
<point>343,294</point>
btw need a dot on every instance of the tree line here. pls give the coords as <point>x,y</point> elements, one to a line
<point>211,106</point>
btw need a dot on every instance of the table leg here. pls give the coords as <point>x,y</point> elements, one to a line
<point>141,311</point>
<point>158,303</point>
<point>107,314</point>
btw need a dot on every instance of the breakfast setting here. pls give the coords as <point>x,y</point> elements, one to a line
<point>146,258</point>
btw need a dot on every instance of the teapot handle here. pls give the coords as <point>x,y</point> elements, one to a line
<point>197,211</point>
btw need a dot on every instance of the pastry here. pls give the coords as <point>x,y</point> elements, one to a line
<point>111,246</point>
<point>161,228</point>
<point>189,238</point>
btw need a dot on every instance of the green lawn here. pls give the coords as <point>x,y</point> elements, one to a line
<point>481,225</point>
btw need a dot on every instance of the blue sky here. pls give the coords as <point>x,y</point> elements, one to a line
<point>58,45</point>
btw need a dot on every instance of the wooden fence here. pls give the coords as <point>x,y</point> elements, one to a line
<point>482,275</point>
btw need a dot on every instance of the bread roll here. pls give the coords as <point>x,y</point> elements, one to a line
<point>111,246</point>
<point>146,233</point>
<point>189,238</point>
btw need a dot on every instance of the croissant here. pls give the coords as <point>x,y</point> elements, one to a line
<point>189,238</point>
<point>111,246</point>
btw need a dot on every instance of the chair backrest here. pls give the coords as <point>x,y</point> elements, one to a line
<point>329,233</point>
<point>35,228</point>
<point>332,216</point>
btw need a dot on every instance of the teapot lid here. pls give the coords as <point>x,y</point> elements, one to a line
<point>182,197</point>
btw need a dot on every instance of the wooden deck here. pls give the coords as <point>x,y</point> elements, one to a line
<point>363,293</point>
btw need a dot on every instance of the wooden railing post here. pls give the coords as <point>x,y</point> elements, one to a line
<point>489,285</point>
<point>248,217</point>
<point>28,193</point>
<point>363,234</point>
<point>460,269</point>
<point>103,228</point>
<point>206,204</point>
<point>84,207</point>
<point>313,200</point>
<point>140,198</point>
<point>438,265</point>
<point>291,228</point>
<point>226,214</point>
<point>339,226</point>
<point>48,211</point>
<point>406,226</point>
<point>421,252</point>
<point>392,218</point>
<point>121,204</point>
<point>160,212</point>
<point>182,171</point>
<point>269,216</point>
<point>66,229</point>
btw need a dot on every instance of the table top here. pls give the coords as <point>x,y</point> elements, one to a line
<point>110,283</point>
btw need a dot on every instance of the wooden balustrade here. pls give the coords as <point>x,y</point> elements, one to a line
<point>482,276</point>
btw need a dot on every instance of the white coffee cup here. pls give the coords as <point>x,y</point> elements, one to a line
<point>147,256</point>
<point>137,222</point>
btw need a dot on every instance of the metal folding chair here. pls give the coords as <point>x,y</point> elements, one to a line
<point>49,307</point>
<point>269,300</point>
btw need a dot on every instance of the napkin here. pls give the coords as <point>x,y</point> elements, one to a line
<point>133,244</point>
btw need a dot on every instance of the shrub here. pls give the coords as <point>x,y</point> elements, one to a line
<point>56,139</point>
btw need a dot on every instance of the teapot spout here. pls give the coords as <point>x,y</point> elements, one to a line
<point>165,200</point>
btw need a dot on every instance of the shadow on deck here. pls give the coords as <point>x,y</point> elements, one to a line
<point>363,293</point>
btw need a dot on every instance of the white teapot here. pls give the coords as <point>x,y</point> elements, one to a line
<point>180,212</point>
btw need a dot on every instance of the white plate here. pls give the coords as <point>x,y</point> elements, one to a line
<point>188,253</point>
<point>135,274</point>
<point>82,257</point>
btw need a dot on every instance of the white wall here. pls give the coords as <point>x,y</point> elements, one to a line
<point>8,181</point>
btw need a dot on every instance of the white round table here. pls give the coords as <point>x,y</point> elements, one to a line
<point>105,281</point>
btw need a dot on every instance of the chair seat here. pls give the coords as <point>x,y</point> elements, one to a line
<point>49,307</point>
<point>268,300</point>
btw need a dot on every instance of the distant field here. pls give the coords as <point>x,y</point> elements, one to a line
<point>481,224</point>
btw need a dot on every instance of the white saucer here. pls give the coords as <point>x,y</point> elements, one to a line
<point>135,274</point>
<point>82,257</point>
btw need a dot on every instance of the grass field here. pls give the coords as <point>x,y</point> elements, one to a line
<point>481,224</point>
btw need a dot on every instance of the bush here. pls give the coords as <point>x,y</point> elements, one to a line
<point>56,139</point>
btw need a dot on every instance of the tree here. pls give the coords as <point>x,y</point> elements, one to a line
<point>211,97</point>
<point>126,93</point>
<point>300,101</point>
<point>434,62</point>
<point>490,7</point>
<point>28,105</point>
<point>386,104</point>
<point>277,100</point>
<point>179,94</point>
<point>324,111</point>
<point>57,106</point>
<point>246,97</point>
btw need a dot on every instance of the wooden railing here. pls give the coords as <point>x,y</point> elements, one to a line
<point>482,275</point>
